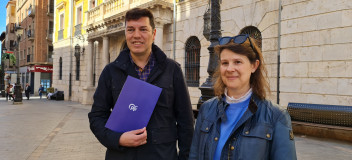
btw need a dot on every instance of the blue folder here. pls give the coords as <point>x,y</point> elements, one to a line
<point>134,106</point>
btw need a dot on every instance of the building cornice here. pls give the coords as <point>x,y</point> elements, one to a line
<point>61,5</point>
<point>8,3</point>
<point>108,23</point>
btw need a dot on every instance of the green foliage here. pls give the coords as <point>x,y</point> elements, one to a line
<point>50,90</point>
<point>12,58</point>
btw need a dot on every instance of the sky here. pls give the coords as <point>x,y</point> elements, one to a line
<point>3,4</point>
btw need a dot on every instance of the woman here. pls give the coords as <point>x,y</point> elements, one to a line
<point>240,123</point>
<point>8,92</point>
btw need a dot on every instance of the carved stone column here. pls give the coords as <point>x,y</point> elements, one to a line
<point>159,35</point>
<point>88,90</point>
<point>105,56</point>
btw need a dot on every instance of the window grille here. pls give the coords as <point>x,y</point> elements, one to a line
<point>77,68</point>
<point>192,58</point>
<point>60,69</point>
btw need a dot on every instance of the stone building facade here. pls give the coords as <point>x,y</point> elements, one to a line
<point>9,44</point>
<point>306,44</point>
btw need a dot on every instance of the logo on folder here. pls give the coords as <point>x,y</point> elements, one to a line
<point>132,107</point>
<point>127,114</point>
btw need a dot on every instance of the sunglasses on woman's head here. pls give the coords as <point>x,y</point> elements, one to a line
<point>239,39</point>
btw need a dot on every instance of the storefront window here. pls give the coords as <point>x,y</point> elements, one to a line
<point>45,80</point>
<point>45,83</point>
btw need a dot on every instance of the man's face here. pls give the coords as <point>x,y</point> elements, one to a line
<point>139,36</point>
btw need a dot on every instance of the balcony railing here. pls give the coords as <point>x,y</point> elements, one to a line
<point>28,58</point>
<point>50,57</point>
<point>113,7</point>
<point>50,9</point>
<point>31,11</point>
<point>60,34</point>
<point>30,34</point>
<point>49,35</point>
<point>78,29</point>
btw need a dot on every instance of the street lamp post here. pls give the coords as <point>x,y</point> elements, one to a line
<point>2,74</point>
<point>18,90</point>
<point>206,88</point>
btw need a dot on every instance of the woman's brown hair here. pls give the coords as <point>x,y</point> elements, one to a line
<point>258,81</point>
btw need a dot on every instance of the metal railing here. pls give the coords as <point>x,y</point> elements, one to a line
<point>49,34</point>
<point>50,57</point>
<point>78,29</point>
<point>60,34</point>
<point>30,34</point>
<point>50,9</point>
<point>31,11</point>
<point>28,58</point>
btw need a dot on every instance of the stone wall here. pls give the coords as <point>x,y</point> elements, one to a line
<point>315,46</point>
<point>62,49</point>
<point>316,53</point>
<point>234,16</point>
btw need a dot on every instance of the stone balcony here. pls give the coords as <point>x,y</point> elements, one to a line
<point>114,10</point>
<point>49,34</point>
<point>60,34</point>
<point>31,11</point>
<point>31,35</point>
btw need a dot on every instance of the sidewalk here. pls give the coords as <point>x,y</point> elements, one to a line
<point>47,130</point>
<point>24,97</point>
<point>59,130</point>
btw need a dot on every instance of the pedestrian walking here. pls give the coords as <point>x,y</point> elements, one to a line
<point>27,90</point>
<point>40,91</point>
<point>8,88</point>
<point>11,92</point>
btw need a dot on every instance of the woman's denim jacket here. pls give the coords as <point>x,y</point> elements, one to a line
<point>263,132</point>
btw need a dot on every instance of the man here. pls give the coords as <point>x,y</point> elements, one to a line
<point>40,91</point>
<point>172,118</point>
<point>27,90</point>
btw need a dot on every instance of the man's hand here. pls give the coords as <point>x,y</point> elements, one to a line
<point>134,138</point>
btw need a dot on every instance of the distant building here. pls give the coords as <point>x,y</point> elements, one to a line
<point>35,45</point>
<point>9,42</point>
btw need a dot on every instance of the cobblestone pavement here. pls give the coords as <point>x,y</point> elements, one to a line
<point>59,130</point>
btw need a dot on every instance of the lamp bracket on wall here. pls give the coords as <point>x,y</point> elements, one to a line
<point>78,47</point>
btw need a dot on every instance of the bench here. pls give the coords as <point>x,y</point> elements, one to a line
<point>326,121</point>
<point>58,96</point>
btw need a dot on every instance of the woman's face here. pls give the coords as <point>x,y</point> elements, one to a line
<point>236,71</point>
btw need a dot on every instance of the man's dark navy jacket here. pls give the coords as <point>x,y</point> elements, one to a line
<point>171,121</point>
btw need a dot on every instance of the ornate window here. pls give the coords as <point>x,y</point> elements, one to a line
<point>78,63</point>
<point>78,59</point>
<point>192,58</point>
<point>254,33</point>
<point>60,68</point>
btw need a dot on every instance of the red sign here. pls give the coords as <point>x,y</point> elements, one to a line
<point>9,52</point>
<point>46,69</point>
